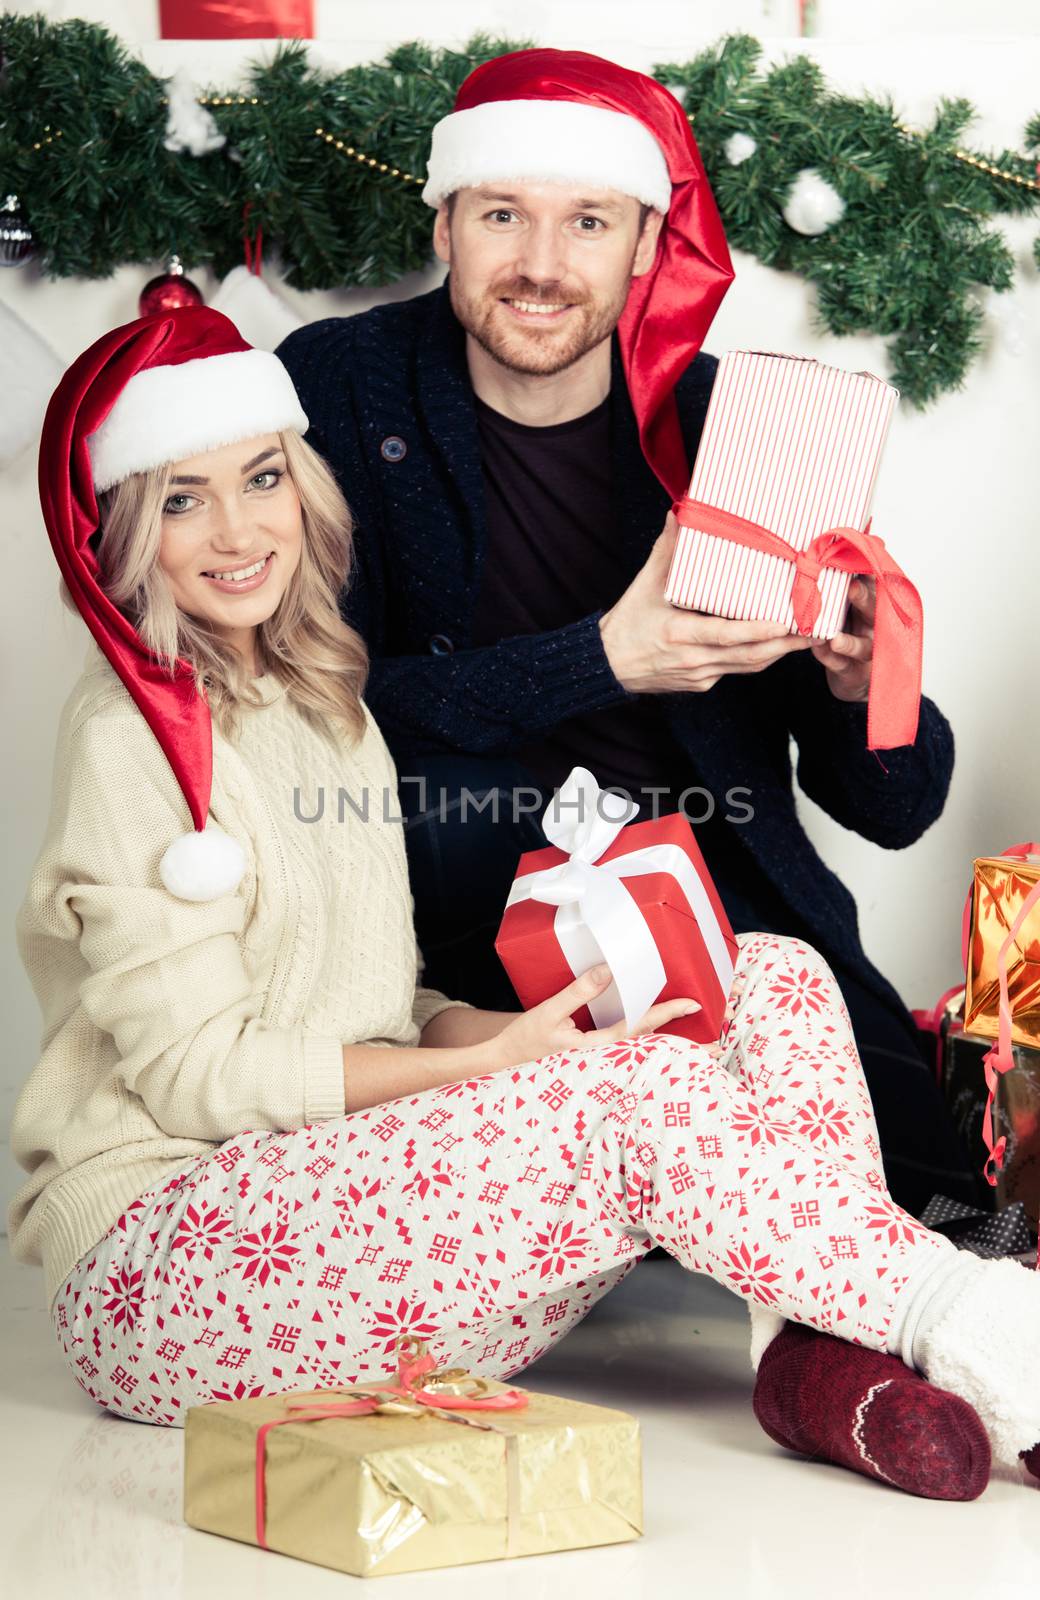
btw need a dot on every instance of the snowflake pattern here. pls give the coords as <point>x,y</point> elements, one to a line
<point>269,1251</point>
<point>298,1259</point>
<point>202,1228</point>
<point>827,1122</point>
<point>804,991</point>
<point>125,1294</point>
<point>558,1248</point>
<point>394,1319</point>
<point>887,1219</point>
<point>750,1271</point>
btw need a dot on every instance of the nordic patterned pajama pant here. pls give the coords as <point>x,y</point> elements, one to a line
<point>488,1217</point>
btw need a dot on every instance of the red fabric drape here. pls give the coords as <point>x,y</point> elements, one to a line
<point>236,19</point>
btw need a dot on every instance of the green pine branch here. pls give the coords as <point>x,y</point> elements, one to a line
<point>915,242</point>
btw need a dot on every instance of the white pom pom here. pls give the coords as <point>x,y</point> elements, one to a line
<point>203,866</point>
<point>738,147</point>
<point>813,204</point>
<point>189,126</point>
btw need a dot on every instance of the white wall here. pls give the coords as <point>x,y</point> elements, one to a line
<point>596,24</point>
<point>957,500</point>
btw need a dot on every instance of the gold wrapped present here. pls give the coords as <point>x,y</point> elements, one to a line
<point>433,1470</point>
<point>1002,919</point>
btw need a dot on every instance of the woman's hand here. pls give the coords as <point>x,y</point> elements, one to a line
<point>548,1028</point>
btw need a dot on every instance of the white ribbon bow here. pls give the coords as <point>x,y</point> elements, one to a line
<point>598,919</point>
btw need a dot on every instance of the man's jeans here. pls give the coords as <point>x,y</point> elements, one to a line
<point>468,819</point>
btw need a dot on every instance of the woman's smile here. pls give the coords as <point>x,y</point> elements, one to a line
<point>242,579</point>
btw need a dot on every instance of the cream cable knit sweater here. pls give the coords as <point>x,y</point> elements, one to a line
<point>168,1026</point>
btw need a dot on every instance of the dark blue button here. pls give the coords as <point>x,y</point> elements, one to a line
<point>393,448</point>
<point>441,645</point>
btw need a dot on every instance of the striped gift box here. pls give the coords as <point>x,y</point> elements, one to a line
<point>794,446</point>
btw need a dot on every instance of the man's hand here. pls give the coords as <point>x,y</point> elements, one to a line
<point>849,655</point>
<point>655,648</point>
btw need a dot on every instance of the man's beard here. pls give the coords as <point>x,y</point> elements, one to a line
<point>589,322</point>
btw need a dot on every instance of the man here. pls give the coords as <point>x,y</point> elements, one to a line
<point>510,445</point>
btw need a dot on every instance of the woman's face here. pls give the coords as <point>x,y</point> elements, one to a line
<point>232,536</point>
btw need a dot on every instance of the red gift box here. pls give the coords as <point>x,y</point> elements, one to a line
<point>795,445</point>
<point>777,519</point>
<point>667,891</point>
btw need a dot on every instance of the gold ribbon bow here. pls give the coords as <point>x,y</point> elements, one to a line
<point>418,1390</point>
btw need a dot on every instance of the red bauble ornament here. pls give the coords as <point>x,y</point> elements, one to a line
<point>170,290</point>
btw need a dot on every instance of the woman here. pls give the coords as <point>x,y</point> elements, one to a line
<point>259,1151</point>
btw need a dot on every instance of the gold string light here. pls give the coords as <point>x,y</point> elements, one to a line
<point>320,133</point>
<point>997,172</point>
<point>976,161</point>
<point>48,137</point>
<point>365,160</point>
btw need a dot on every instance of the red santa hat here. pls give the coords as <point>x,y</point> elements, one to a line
<point>170,385</point>
<point>565,116</point>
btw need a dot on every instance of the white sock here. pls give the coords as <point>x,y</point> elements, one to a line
<point>765,1325</point>
<point>981,1340</point>
<point>925,1302</point>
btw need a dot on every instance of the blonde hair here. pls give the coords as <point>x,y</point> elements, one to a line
<point>305,644</point>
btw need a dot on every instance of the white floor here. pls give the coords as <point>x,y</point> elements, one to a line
<point>92,1506</point>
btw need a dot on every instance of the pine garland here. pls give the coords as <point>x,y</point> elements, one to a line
<point>327,163</point>
<point>110,194</point>
<point>914,246</point>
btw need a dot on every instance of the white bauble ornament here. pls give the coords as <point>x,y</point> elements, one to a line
<point>29,373</point>
<point>738,147</point>
<point>203,866</point>
<point>812,205</point>
<point>262,317</point>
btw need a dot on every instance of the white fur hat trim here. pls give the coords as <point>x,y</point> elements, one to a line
<point>203,866</point>
<point>168,413</point>
<point>546,141</point>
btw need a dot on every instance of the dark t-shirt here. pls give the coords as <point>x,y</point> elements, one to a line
<point>554,555</point>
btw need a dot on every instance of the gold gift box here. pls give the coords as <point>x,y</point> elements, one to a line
<point>387,1493</point>
<point>1000,886</point>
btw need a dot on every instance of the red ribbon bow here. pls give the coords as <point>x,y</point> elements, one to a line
<point>414,1363</point>
<point>893,705</point>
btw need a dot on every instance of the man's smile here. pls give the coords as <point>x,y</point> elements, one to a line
<point>537,311</point>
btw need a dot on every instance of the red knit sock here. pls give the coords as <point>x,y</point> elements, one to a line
<point>838,1402</point>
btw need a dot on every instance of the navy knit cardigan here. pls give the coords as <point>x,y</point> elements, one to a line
<point>391,408</point>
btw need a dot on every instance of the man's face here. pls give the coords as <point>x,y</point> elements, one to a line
<point>540,271</point>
